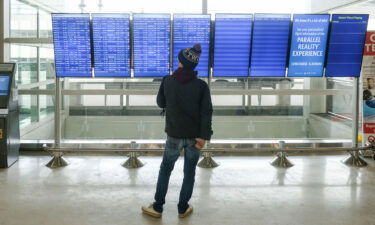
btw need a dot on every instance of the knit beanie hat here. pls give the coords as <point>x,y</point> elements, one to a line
<point>189,57</point>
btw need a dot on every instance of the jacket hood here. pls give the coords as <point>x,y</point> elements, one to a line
<point>182,75</point>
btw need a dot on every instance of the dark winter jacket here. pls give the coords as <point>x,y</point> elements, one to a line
<point>188,106</point>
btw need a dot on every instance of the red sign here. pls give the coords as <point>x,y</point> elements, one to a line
<point>369,128</point>
<point>370,44</point>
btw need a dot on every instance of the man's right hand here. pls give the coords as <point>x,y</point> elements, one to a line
<point>200,143</point>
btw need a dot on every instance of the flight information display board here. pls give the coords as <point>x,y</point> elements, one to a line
<point>308,46</point>
<point>151,44</point>
<point>345,50</point>
<point>4,84</point>
<point>270,45</point>
<point>111,45</point>
<point>232,45</point>
<point>71,39</point>
<point>189,30</point>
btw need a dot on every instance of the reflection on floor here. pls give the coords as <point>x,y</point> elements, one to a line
<point>242,190</point>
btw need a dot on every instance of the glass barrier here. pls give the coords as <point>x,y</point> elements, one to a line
<point>124,117</point>
<point>23,20</point>
<point>26,59</point>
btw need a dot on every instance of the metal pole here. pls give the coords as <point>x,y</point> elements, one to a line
<point>57,112</point>
<point>248,96</point>
<point>204,7</point>
<point>4,30</point>
<point>57,160</point>
<point>210,149</point>
<point>355,111</point>
<point>355,159</point>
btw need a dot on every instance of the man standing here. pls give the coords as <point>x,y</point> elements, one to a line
<point>188,106</point>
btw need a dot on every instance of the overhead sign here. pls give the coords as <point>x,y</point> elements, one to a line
<point>308,47</point>
<point>345,50</point>
<point>151,41</point>
<point>110,34</point>
<point>72,47</point>
<point>270,45</point>
<point>232,45</point>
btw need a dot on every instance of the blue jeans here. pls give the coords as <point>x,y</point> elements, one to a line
<point>172,151</point>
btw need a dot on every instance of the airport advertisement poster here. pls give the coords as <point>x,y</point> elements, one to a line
<point>308,47</point>
<point>368,81</point>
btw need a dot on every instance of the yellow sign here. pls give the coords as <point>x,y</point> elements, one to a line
<point>1,133</point>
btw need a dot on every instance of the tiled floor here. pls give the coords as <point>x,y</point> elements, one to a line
<point>242,190</point>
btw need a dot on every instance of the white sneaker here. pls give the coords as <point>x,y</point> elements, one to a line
<point>188,212</point>
<point>149,210</point>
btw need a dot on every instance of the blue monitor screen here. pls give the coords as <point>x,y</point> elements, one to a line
<point>347,39</point>
<point>71,38</point>
<point>4,84</point>
<point>189,30</point>
<point>308,47</point>
<point>111,45</point>
<point>232,45</point>
<point>270,45</point>
<point>151,44</point>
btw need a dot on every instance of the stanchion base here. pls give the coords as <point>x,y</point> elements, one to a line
<point>355,161</point>
<point>282,162</point>
<point>368,154</point>
<point>132,162</point>
<point>57,161</point>
<point>207,161</point>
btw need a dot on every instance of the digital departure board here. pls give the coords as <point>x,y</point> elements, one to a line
<point>308,46</point>
<point>345,50</point>
<point>270,45</point>
<point>232,45</point>
<point>111,45</point>
<point>71,39</point>
<point>189,30</point>
<point>4,84</point>
<point>151,45</point>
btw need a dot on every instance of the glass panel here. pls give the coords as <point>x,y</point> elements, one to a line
<point>45,24</point>
<point>26,59</point>
<point>28,109</point>
<point>37,123</point>
<point>235,116</point>
<point>23,20</point>
<point>46,106</point>
<point>47,70</point>
<point>338,104</point>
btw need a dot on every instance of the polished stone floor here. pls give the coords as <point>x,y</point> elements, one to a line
<point>243,190</point>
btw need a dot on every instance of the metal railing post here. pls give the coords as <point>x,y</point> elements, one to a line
<point>57,160</point>
<point>133,162</point>
<point>207,161</point>
<point>282,161</point>
<point>355,158</point>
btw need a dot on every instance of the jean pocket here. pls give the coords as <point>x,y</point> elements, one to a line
<point>194,142</point>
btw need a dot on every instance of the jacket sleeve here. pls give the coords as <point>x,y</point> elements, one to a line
<point>206,113</point>
<point>160,99</point>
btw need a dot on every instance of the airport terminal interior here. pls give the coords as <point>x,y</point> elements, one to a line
<point>292,84</point>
